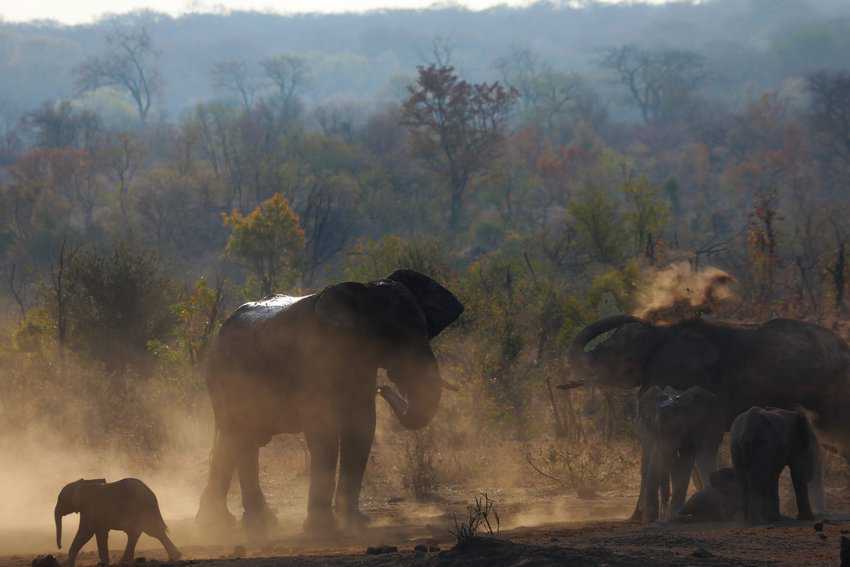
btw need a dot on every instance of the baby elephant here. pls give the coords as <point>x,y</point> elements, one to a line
<point>765,441</point>
<point>126,505</point>
<point>718,502</point>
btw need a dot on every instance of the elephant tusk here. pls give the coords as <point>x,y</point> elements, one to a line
<point>570,385</point>
<point>396,402</point>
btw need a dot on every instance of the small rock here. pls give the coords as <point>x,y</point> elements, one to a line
<point>381,549</point>
<point>818,526</point>
<point>45,561</point>
<point>141,559</point>
<point>702,553</point>
<point>395,499</point>
<point>426,548</point>
<point>239,551</point>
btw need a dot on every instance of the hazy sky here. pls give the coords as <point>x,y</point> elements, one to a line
<point>76,11</point>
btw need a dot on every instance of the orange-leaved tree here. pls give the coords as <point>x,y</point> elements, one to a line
<point>269,240</point>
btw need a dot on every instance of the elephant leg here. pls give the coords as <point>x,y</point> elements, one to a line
<point>102,537</point>
<point>637,515</point>
<point>356,436</point>
<point>158,532</point>
<point>130,550</point>
<point>324,451</point>
<point>84,534</point>
<point>213,511</point>
<point>258,517</point>
<point>705,463</point>
<point>815,485</point>
<point>801,493</point>
<point>680,472</point>
<point>772,499</point>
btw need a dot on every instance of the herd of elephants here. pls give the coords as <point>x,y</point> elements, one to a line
<point>309,365</point>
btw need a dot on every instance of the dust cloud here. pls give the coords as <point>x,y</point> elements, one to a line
<point>677,293</point>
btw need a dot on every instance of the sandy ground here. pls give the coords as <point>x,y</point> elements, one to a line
<point>591,542</point>
<point>540,526</point>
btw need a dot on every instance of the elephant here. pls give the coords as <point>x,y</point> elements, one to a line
<point>677,429</point>
<point>720,501</point>
<point>309,365</point>
<point>780,363</point>
<point>127,505</point>
<point>763,442</point>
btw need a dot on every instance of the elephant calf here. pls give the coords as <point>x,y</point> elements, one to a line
<point>678,429</point>
<point>765,441</point>
<point>127,505</point>
<point>720,501</point>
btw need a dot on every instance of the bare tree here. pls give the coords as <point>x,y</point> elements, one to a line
<point>289,75</point>
<point>129,64</point>
<point>233,76</point>
<point>661,83</point>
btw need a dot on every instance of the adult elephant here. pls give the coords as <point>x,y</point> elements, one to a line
<point>309,364</point>
<point>780,363</point>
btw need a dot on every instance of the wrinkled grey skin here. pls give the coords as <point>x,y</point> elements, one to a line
<point>763,442</point>
<point>720,501</point>
<point>127,505</point>
<point>309,364</point>
<point>781,363</point>
<point>677,429</point>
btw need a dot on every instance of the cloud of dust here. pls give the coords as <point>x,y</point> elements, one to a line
<point>677,293</point>
<point>40,455</point>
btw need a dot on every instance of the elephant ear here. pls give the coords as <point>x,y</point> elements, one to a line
<point>440,306</point>
<point>342,306</point>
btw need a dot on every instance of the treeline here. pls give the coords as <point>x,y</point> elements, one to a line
<point>123,247</point>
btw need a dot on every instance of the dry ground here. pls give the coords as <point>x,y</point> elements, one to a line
<point>541,525</point>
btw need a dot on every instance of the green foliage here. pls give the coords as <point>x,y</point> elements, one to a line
<point>599,222</point>
<point>375,259</point>
<point>269,240</point>
<point>117,303</point>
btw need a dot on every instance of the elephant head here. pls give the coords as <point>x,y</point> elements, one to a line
<point>71,500</point>
<point>398,315</point>
<point>617,361</point>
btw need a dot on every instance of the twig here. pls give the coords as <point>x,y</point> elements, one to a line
<point>541,473</point>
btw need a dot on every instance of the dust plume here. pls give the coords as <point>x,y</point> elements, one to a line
<point>677,293</point>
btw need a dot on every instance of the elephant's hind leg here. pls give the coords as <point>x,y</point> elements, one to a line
<point>213,512</point>
<point>130,550</point>
<point>159,533</point>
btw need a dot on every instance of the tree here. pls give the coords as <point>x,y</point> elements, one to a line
<point>289,74</point>
<point>233,76</point>
<point>830,109</point>
<point>269,240</point>
<point>129,64</point>
<point>456,127</point>
<point>661,83</point>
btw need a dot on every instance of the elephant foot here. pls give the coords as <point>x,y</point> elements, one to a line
<point>215,516</point>
<point>805,517</point>
<point>321,525</point>
<point>354,521</point>
<point>257,523</point>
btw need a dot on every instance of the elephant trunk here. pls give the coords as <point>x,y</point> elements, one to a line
<point>57,514</point>
<point>419,380</point>
<point>578,358</point>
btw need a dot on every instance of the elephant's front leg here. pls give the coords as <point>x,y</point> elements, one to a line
<point>323,443</point>
<point>356,436</point>
<point>213,512</point>
<point>637,515</point>
<point>682,466</point>
<point>258,516</point>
